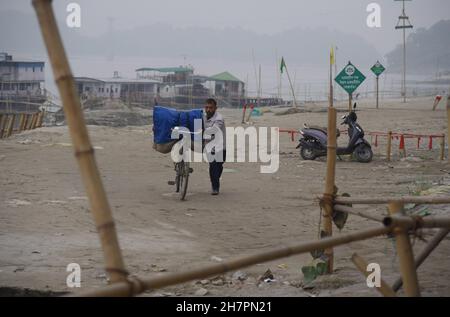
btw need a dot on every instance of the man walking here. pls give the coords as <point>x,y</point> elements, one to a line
<point>214,126</point>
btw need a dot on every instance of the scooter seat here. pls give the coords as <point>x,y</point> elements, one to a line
<point>324,130</point>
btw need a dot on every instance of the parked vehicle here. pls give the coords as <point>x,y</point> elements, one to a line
<point>313,141</point>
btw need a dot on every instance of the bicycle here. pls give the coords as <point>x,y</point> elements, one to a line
<point>182,172</point>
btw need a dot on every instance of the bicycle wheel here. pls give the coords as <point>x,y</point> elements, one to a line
<point>177,177</point>
<point>184,178</point>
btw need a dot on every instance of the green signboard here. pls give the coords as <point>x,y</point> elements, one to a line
<point>350,78</point>
<point>378,69</point>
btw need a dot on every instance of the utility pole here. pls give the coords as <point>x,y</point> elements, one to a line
<point>403,24</point>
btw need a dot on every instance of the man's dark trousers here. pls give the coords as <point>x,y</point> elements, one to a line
<point>215,172</point>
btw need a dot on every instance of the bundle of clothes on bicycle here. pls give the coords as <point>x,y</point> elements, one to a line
<point>166,119</point>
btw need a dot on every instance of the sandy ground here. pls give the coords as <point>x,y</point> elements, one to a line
<point>45,221</point>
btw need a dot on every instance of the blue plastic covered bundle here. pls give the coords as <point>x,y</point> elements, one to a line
<point>165,119</point>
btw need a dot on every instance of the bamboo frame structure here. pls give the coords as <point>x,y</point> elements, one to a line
<point>84,152</point>
<point>417,222</point>
<point>438,237</point>
<point>360,213</point>
<point>329,193</point>
<point>405,254</point>
<point>361,265</point>
<point>431,200</point>
<point>136,286</point>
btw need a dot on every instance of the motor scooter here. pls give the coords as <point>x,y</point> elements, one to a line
<point>313,141</point>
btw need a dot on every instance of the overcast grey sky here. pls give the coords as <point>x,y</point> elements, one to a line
<point>262,16</point>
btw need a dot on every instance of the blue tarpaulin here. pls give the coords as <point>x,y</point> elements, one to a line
<point>165,119</point>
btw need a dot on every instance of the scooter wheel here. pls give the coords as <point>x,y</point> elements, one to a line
<point>363,153</point>
<point>307,154</point>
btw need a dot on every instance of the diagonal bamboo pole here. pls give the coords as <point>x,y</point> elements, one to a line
<point>361,265</point>
<point>386,200</point>
<point>356,212</point>
<point>424,254</point>
<point>417,222</point>
<point>137,286</point>
<point>80,139</point>
<point>405,254</point>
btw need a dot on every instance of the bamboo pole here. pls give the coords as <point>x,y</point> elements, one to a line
<point>352,211</point>
<point>405,254</point>
<point>6,126</point>
<point>25,122</point>
<point>40,118</point>
<point>448,126</point>
<point>163,280</point>
<point>1,125</point>
<point>328,195</point>
<point>417,222</point>
<point>33,121</point>
<point>12,120</point>
<point>3,119</point>
<point>438,237</point>
<point>389,146</point>
<point>84,152</point>
<point>442,147</point>
<point>361,265</point>
<point>21,120</point>
<point>431,200</point>
<point>30,121</point>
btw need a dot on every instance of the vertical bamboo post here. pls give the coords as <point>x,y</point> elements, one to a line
<point>448,126</point>
<point>33,121</point>
<point>12,120</point>
<point>389,146</point>
<point>21,120</point>
<point>80,138</point>
<point>41,119</point>
<point>25,121</point>
<point>28,125</point>
<point>405,255</point>
<point>442,147</point>
<point>328,196</point>
<point>361,265</point>
<point>36,119</point>
<point>4,131</point>
<point>2,119</point>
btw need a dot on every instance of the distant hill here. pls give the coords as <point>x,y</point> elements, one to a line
<point>428,51</point>
<point>19,33</point>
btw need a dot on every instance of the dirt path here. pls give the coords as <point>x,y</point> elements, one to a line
<point>45,222</point>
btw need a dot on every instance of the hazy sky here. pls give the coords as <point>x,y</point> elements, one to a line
<point>262,16</point>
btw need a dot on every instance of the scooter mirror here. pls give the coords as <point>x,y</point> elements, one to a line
<point>354,105</point>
